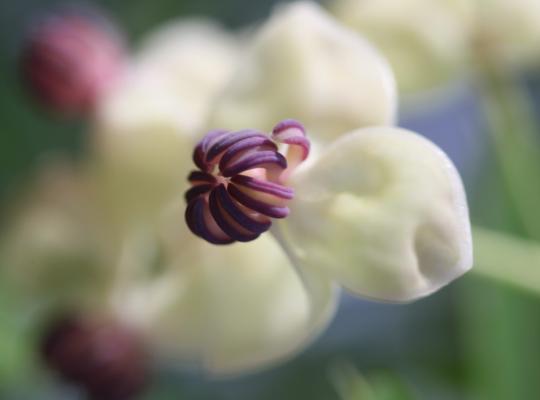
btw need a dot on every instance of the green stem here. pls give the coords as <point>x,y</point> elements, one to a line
<point>512,128</point>
<point>499,325</point>
<point>507,259</point>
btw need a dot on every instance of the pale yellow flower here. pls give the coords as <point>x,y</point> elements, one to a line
<point>379,211</point>
<point>426,41</point>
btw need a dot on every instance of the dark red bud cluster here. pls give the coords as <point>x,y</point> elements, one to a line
<point>104,358</point>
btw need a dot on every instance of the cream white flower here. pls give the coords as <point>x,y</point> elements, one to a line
<point>426,41</point>
<point>379,211</point>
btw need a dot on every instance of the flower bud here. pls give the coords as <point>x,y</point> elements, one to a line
<point>104,358</point>
<point>70,59</point>
<point>508,31</point>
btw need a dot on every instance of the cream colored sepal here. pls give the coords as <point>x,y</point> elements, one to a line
<point>383,211</point>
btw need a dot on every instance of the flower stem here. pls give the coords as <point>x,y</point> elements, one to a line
<point>506,258</point>
<point>512,128</point>
<point>318,287</point>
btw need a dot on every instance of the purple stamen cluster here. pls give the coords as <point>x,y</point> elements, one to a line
<point>238,188</point>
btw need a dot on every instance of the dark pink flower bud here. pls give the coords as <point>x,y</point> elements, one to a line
<point>69,60</point>
<point>106,359</point>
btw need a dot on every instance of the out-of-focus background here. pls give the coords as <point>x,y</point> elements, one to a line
<point>478,338</point>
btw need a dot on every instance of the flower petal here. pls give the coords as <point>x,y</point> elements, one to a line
<point>173,78</point>
<point>383,211</point>
<point>145,128</point>
<point>230,308</point>
<point>305,65</point>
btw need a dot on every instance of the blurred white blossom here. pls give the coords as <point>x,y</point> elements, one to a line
<point>228,309</point>
<point>508,31</point>
<point>426,41</point>
<point>431,42</point>
<point>144,128</point>
<point>174,76</point>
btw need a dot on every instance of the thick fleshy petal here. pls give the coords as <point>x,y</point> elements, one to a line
<point>305,65</point>
<point>384,212</point>
<point>145,128</point>
<point>226,308</point>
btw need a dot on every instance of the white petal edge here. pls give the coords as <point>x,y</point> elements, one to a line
<point>384,212</point>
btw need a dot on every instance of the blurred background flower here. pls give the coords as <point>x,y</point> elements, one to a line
<point>53,60</point>
<point>433,36</point>
<point>81,231</point>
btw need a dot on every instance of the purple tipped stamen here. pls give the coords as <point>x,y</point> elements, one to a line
<point>229,140</point>
<point>270,210</point>
<point>291,132</point>
<point>254,160</point>
<point>264,186</point>
<point>239,186</point>
<point>226,223</point>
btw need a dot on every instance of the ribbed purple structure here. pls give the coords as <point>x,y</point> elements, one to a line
<point>237,189</point>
